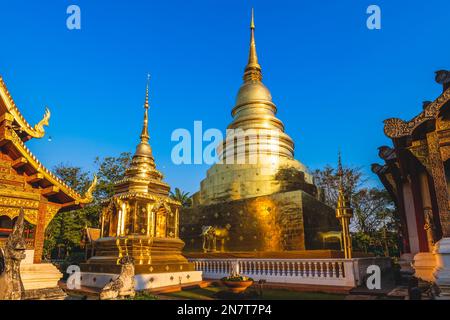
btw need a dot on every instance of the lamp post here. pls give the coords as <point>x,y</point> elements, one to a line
<point>344,213</point>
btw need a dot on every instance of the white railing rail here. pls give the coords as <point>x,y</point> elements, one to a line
<point>327,272</point>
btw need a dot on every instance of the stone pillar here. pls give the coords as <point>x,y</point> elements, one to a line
<point>39,235</point>
<point>411,221</point>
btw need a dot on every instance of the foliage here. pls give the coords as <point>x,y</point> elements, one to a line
<point>110,170</point>
<point>64,233</point>
<point>327,180</point>
<point>182,197</point>
<point>375,224</point>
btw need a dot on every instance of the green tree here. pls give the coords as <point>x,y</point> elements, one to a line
<point>182,197</point>
<point>327,181</point>
<point>110,170</point>
<point>374,226</point>
<point>66,228</point>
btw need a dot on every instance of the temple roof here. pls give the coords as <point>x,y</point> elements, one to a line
<point>14,132</point>
<point>398,128</point>
<point>22,127</point>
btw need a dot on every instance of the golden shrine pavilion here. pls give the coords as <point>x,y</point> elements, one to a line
<point>26,183</point>
<point>141,221</point>
<point>416,172</point>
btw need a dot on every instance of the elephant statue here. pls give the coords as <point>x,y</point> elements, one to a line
<point>210,236</point>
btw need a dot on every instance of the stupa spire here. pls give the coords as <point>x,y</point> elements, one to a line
<point>340,174</point>
<point>144,134</point>
<point>253,69</point>
<point>143,148</point>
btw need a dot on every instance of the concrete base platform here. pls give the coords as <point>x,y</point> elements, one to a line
<point>143,281</point>
<point>92,293</point>
<point>45,294</point>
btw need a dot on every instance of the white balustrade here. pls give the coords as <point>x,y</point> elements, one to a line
<point>329,272</point>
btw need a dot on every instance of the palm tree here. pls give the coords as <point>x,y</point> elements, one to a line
<point>182,197</point>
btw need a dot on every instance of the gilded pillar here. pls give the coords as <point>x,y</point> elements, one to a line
<point>102,223</point>
<point>150,220</point>
<point>429,226</point>
<point>39,235</point>
<point>440,183</point>
<point>177,223</point>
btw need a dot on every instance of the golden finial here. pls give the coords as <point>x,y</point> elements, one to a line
<point>146,92</point>
<point>144,135</point>
<point>340,172</point>
<point>252,23</point>
<point>344,212</point>
<point>253,69</point>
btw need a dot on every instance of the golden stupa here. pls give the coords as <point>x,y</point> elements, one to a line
<point>141,221</point>
<point>254,115</point>
<point>257,197</point>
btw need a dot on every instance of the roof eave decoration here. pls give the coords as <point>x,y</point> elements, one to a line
<point>36,131</point>
<point>397,128</point>
<point>89,194</point>
<point>51,177</point>
<point>126,195</point>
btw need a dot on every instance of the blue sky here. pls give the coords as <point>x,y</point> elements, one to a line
<point>333,80</point>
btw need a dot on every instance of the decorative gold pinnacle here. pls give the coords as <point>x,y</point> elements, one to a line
<point>143,148</point>
<point>344,212</point>
<point>144,135</point>
<point>253,69</point>
<point>340,174</point>
<point>252,23</point>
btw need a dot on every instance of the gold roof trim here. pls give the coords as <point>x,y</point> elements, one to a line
<point>50,176</point>
<point>36,131</point>
<point>127,195</point>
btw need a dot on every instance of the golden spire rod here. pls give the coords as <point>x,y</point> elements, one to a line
<point>252,23</point>
<point>344,212</point>
<point>253,69</point>
<point>144,135</point>
<point>340,173</point>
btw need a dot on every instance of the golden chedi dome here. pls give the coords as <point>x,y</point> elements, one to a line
<point>253,91</point>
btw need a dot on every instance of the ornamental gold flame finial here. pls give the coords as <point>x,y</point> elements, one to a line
<point>144,135</point>
<point>89,195</point>
<point>39,127</point>
<point>253,69</point>
<point>344,212</point>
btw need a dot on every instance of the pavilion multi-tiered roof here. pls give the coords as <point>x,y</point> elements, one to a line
<point>24,181</point>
